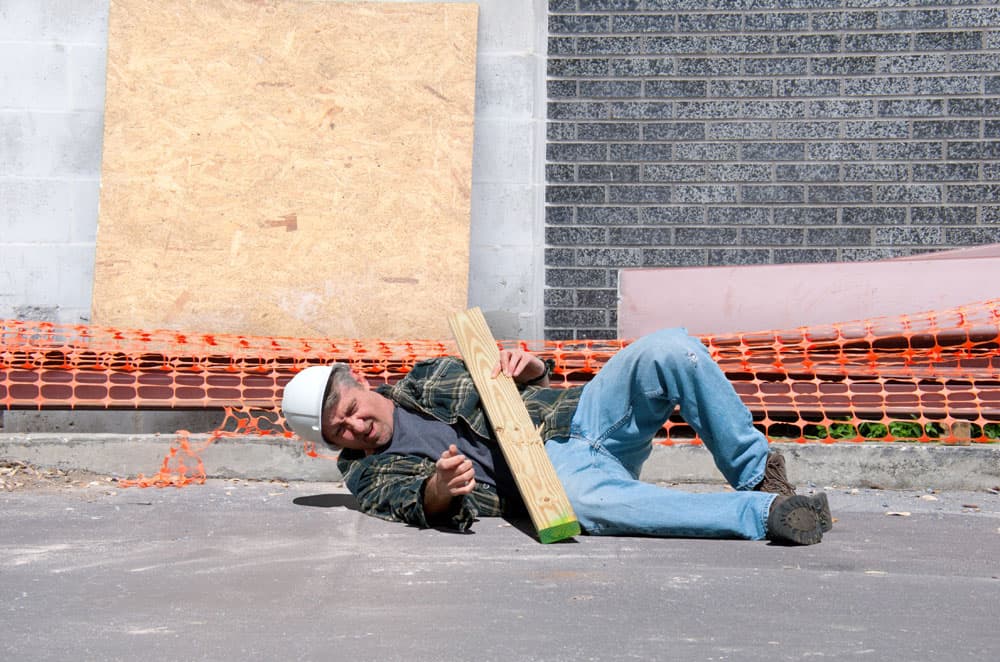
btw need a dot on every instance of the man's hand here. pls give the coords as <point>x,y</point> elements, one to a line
<point>453,476</point>
<point>522,366</point>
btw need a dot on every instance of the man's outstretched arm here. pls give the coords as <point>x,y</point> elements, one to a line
<point>392,487</point>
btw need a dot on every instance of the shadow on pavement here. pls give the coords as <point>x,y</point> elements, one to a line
<point>328,501</point>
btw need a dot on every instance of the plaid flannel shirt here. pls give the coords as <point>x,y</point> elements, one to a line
<point>391,486</point>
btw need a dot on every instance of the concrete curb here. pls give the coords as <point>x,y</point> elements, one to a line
<point>872,464</point>
<point>887,465</point>
<point>126,455</point>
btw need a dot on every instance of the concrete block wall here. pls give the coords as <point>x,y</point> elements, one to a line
<point>52,71</point>
<point>726,132</point>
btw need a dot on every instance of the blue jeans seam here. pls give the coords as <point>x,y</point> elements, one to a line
<point>752,483</point>
<point>577,431</point>
<point>765,512</point>
<point>598,447</point>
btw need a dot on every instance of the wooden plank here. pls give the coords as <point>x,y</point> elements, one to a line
<point>522,446</point>
<point>722,300</point>
<point>289,167</point>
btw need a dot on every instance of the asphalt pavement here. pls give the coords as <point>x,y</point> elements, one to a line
<point>245,570</point>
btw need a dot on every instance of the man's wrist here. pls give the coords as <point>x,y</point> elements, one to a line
<point>435,501</point>
<point>548,365</point>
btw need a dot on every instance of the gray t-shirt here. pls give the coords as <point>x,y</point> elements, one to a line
<point>424,436</point>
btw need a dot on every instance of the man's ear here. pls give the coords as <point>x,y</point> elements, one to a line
<point>360,378</point>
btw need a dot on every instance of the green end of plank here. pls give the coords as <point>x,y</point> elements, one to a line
<point>560,531</point>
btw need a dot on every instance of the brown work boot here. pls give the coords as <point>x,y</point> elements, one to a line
<point>822,506</point>
<point>794,520</point>
<point>776,482</point>
<point>775,479</point>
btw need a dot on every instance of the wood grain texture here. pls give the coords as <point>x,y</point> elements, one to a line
<point>286,167</point>
<point>522,446</point>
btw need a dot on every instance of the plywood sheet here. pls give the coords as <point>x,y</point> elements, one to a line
<point>720,300</point>
<point>286,167</point>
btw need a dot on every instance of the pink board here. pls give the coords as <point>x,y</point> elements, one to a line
<point>987,250</point>
<point>719,300</point>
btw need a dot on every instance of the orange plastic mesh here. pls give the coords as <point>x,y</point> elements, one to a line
<point>897,378</point>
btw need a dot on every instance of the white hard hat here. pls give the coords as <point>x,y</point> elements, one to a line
<point>302,403</point>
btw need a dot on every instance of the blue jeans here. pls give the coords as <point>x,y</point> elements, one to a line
<point>611,436</point>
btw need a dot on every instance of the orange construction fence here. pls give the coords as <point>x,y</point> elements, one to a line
<point>925,377</point>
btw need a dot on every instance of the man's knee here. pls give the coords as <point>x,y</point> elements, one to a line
<point>673,344</point>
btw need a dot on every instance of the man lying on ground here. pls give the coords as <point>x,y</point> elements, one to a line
<point>421,451</point>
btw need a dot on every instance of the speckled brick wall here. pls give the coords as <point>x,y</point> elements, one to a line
<point>723,132</point>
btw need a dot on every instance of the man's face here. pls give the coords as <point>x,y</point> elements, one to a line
<point>362,419</point>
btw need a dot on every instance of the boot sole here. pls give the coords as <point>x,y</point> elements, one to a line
<point>796,521</point>
<point>822,507</point>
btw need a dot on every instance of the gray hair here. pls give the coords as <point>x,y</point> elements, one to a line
<point>340,377</point>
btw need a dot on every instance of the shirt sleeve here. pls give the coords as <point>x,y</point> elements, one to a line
<point>391,487</point>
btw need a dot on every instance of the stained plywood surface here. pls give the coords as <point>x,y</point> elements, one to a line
<point>286,167</point>
<point>720,300</point>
